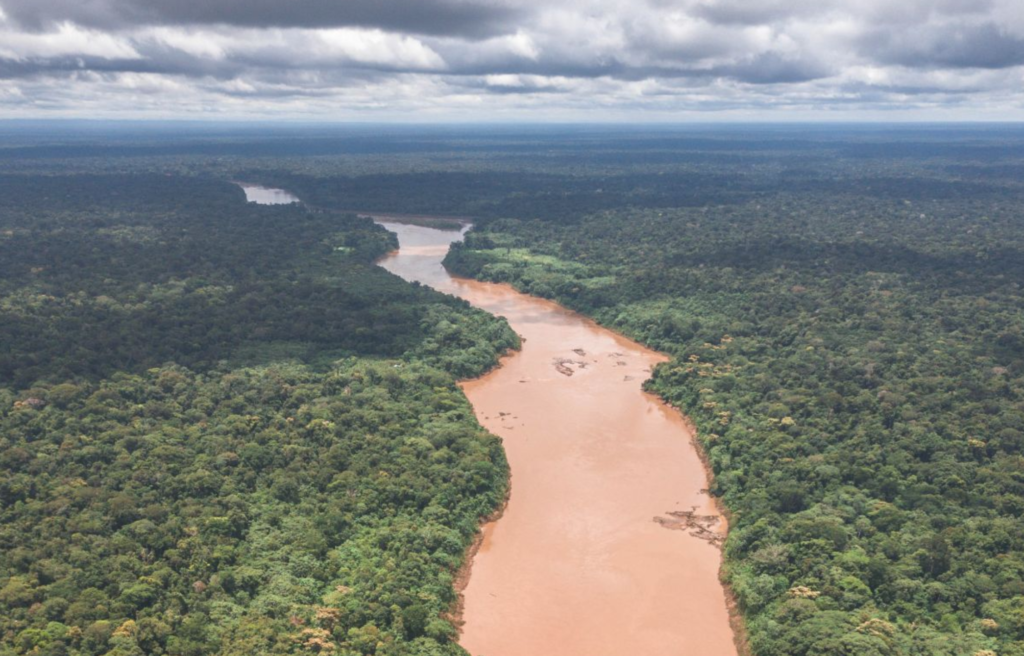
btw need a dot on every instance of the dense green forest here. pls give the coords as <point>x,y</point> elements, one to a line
<point>224,430</point>
<point>843,310</point>
<point>855,365</point>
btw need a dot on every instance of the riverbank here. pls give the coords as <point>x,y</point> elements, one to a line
<point>579,562</point>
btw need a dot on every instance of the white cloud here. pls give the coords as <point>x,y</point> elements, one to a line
<point>372,47</point>
<point>551,58</point>
<point>67,40</point>
<point>196,43</point>
<point>298,47</point>
<point>520,44</point>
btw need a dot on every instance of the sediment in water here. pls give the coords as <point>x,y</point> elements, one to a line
<point>576,564</point>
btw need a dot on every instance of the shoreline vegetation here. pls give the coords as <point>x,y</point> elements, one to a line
<point>736,619</point>
<point>454,615</point>
<point>465,571</point>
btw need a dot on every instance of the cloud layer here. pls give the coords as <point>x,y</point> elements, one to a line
<point>493,59</point>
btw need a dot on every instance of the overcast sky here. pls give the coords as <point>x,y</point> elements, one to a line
<point>438,60</point>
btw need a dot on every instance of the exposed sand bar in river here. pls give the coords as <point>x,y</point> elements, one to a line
<point>577,565</point>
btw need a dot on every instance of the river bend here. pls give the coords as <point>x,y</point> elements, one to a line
<point>586,559</point>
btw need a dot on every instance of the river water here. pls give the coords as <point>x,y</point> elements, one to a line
<point>266,195</point>
<point>578,564</point>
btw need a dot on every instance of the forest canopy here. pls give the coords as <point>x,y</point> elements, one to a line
<point>854,362</point>
<point>224,430</point>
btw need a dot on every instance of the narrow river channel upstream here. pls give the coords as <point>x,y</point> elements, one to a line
<point>587,558</point>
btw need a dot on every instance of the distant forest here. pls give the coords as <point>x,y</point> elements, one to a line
<point>225,431</point>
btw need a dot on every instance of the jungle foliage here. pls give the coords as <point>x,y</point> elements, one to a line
<point>223,430</point>
<point>855,364</point>
<point>208,446</point>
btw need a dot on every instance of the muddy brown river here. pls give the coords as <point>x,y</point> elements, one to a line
<point>578,563</point>
<point>608,545</point>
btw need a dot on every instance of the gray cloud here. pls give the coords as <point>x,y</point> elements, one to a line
<point>773,68</point>
<point>743,12</point>
<point>474,18</point>
<point>954,45</point>
<point>486,58</point>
